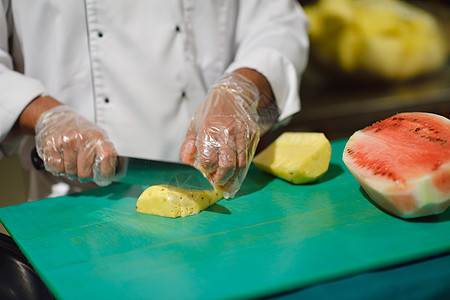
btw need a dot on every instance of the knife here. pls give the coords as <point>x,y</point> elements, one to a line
<point>140,171</point>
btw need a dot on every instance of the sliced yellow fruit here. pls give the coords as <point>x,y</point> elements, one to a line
<point>390,39</point>
<point>173,202</point>
<point>297,157</point>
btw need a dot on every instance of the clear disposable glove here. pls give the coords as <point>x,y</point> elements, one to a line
<point>73,146</point>
<point>224,132</point>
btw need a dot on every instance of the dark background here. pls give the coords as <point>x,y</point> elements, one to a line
<point>339,106</point>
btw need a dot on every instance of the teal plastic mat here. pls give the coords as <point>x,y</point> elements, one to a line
<point>272,238</point>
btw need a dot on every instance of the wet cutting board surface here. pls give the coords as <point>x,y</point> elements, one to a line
<point>271,238</point>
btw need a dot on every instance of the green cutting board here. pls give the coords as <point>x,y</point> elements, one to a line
<point>272,238</point>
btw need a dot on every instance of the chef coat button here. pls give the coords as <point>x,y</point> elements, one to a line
<point>100,34</point>
<point>106,100</point>
<point>183,94</point>
<point>177,28</point>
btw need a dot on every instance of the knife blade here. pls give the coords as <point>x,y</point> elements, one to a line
<point>151,172</point>
<point>140,171</point>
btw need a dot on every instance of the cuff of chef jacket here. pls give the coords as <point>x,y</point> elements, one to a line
<point>16,92</point>
<point>280,73</point>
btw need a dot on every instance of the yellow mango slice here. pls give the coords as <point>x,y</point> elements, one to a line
<point>297,157</point>
<point>170,201</point>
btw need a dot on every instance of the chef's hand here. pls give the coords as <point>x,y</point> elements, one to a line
<point>73,146</point>
<point>225,130</point>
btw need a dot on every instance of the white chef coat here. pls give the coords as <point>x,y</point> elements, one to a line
<point>139,69</point>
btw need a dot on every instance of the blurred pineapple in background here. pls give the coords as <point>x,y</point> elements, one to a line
<point>388,39</point>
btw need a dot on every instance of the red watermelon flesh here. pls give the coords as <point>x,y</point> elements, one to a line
<point>403,163</point>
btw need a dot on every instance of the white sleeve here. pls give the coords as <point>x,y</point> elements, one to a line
<point>272,39</point>
<point>16,90</point>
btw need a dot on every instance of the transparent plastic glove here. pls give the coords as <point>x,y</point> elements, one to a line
<point>73,146</point>
<point>222,137</point>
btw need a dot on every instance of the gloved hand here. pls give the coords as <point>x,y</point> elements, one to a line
<point>73,146</point>
<point>224,132</point>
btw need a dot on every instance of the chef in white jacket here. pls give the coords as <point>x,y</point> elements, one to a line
<point>200,81</point>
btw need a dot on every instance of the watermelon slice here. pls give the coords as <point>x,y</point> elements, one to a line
<point>403,163</point>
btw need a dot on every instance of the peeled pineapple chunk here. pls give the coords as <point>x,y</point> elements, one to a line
<point>389,39</point>
<point>173,202</point>
<point>297,157</point>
